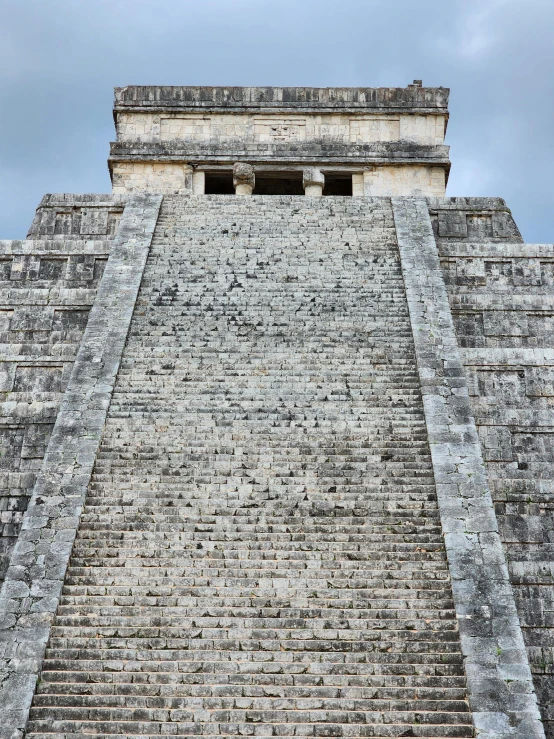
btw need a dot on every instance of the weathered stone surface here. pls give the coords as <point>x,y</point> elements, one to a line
<point>459,220</point>
<point>62,216</point>
<point>501,294</point>
<point>260,550</point>
<point>495,659</point>
<point>243,178</point>
<point>47,287</point>
<point>393,138</point>
<point>251,98</point>
<point>313,181</point>
<point>30,594</point>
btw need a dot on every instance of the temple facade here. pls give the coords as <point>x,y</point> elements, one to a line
<point>361,141</point>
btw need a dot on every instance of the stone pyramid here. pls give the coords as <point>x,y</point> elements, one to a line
<point>276,434</point>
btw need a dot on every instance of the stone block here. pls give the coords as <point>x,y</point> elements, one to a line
<point>503,226</point>
<point>496,443</point>
<point>507,384</point>
<point>479,227</point>
<point>540,382</point>
<point>470,272</point>
<point>527,272</point>
<point>452,225</point>
<point>94,222</point>
<point>37,379</point>
<point>505,323</point>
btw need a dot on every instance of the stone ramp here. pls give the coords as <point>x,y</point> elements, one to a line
<point>261,552</point>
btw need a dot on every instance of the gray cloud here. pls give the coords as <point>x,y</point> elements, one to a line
<point>60,59</point>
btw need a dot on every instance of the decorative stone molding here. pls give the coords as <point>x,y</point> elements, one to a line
<point>70,216</point>
<point>326,99</point>
<point>243,178</point>
<point>313,181</point>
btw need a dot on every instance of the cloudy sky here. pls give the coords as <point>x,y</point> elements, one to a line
<point>60,59</point>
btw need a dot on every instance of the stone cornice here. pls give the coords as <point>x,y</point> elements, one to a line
<point>350,154</point>
<point>412,99</point>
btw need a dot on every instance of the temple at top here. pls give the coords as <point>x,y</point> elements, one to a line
<point>287,140</point>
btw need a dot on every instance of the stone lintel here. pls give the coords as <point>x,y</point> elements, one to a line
<point>500,685</point>
<point>271,163</point>
<point>321,152</point>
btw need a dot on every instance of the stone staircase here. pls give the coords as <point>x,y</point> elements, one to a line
<point>261,553</point>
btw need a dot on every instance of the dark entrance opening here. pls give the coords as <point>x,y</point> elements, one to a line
<point>219,183</point>
<point>338,184</point>
<point>280,183</point>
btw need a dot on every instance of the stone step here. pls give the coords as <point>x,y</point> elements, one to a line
<point>131,543</point>
<point>123,605</point>
<point>239,716</point>
<point>228,664</point>
<point>69,730</point>
<point>218,678</point>
<point>153,626</point>
<point>260,551</point>
<point>251,564</point>
<point>143,692</point>
<point>281,705</point>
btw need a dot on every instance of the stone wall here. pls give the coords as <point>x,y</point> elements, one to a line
<point>59,216</point>
<point>160,177</point>
<point>171,177</point>
<point>48,284</point>
<point>501,294</point>
<point>404,180</point>
<point>502,299</point>
<point>348,128</point>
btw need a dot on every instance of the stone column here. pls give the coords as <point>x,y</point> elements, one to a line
<point>243,178</point>
<point>198,182</point>
<point>358,184</point>
<point>313,181</point>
